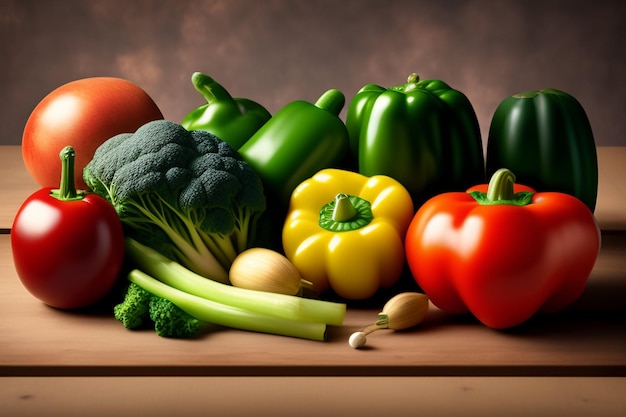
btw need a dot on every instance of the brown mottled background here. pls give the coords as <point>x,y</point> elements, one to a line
<point>278,51</point>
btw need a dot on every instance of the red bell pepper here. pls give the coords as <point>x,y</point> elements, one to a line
<point>502,251</point>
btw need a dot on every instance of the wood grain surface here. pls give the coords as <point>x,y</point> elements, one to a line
<point>589,338</point>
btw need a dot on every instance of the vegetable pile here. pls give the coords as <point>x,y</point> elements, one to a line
<point>275,223</point>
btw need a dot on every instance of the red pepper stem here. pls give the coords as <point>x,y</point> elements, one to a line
<point>67,187</point>
<point>501,186</point>
<point>501,190</point>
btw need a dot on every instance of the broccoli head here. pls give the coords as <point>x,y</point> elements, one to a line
<point>133,311</point>
<point>187,194</point>
<point>140,307</point>
<point>171,321</point>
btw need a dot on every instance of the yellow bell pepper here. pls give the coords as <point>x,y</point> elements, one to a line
<point>345,231</point>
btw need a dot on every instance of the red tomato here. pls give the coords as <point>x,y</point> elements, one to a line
<point>83,113</point>
<point>67,254</point>
<point>68,246</point>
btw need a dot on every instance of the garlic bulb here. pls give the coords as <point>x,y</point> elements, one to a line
<point>263,269</point>
<point>403,311</point>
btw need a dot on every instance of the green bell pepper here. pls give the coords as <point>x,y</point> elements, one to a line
<point>233,120</point>
<point>423,133</point>
<point>545,137</point>
<point>298,141</point>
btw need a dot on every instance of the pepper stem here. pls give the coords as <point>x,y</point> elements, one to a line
<point>344,209</point>
<point>501,190</point>
<point>67,188</point>
<point>210,90</point>
<point>331,101</point>
<point>413,78</point>
<point>345,213</point>
<point>501,185</point>
<point>410,86</point>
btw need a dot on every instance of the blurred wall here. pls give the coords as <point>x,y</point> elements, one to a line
<point>276,51</point>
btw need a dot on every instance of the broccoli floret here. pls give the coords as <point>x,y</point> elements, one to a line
<point>133,311</point>
<point>171,321</point>
<point>140,308</point>
<point>188,195</point>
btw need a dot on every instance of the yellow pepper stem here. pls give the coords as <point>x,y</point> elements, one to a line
<point>344,209</point>
<point>345,213</point>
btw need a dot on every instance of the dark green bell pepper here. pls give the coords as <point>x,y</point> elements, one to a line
<point>545,137</point>
<point>423,133</point>
<point>299,140</point>
<point>233,120</point>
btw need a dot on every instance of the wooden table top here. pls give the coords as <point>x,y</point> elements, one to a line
<point>588,339</point>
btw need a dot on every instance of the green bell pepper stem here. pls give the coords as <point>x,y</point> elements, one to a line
<point>67,188</point>
<point>345,213</point>
<point>411,83</point>
<point>332,101</point>
<point>209,89</point>
<point>501,191</point>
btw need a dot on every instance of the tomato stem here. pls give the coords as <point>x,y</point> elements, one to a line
<point>67,187</point>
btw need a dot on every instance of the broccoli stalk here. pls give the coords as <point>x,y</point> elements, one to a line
<point>207,254</point>
<point>225,315</point>
<point>189,195</point>
<point>271,304</point>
